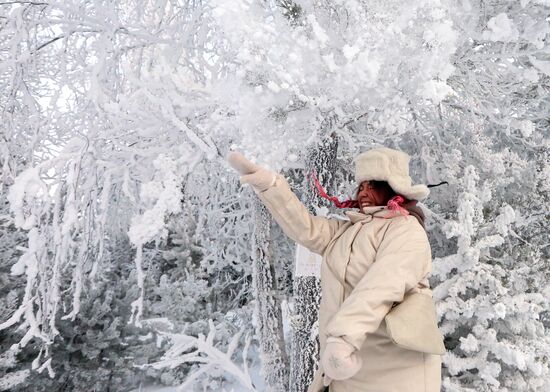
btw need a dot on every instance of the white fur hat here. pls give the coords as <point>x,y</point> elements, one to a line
<point>392,166</point>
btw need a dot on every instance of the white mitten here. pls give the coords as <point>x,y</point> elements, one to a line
<point>340,360</point>
<point>257,176</point>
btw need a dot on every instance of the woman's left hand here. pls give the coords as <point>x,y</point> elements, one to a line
<point>340,360</point>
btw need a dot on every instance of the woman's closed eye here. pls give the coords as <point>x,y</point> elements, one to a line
<point>368,185</point>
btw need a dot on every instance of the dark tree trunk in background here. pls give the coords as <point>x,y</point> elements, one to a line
<point>269,327</point>
<point>307,289</point>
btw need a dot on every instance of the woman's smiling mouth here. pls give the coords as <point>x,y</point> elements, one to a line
<point>365,203</point>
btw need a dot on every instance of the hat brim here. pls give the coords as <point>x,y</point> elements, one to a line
<point>411,192</point>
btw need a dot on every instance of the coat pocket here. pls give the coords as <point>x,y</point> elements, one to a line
<point>412,325</point>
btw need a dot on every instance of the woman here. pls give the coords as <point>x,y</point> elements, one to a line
<point>369,263</point>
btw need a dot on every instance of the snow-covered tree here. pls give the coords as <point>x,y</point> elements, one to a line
<point>321,160</point>
<point>116,117</point>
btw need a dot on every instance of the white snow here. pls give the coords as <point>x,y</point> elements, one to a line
<point>112,165</point>
<point>501,28</point>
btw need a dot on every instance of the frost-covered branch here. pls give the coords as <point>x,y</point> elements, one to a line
<point>187,349</point>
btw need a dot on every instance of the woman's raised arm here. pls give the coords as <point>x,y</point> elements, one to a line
<point>311,231</point>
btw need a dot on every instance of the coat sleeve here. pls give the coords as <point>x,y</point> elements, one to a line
<point>313,232</point>
<point>402,260</point>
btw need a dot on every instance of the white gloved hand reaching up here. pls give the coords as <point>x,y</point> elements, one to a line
<point>257,176</point>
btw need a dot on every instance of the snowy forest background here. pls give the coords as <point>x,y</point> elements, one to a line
<point>130,256</point>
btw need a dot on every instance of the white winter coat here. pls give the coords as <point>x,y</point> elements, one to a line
<point>369,262</point>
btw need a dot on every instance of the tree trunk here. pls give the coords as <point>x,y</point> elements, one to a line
<point>269,325</point>
<point>307,287</point>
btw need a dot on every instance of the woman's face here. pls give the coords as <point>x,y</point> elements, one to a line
<point>373,193</point>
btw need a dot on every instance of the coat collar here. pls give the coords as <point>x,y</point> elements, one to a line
<point>368,214</point>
